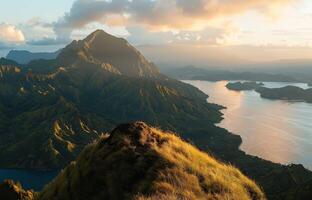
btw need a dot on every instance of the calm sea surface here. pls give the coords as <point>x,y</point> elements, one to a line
<point>279,131</point>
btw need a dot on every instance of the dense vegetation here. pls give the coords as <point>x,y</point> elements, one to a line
<point>140,162</point>
<point>291,93</point>
<point>49,114</point>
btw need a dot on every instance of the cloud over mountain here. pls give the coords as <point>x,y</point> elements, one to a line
<point>10,34</point>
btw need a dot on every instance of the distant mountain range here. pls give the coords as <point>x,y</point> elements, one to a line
<point>52,109</point>
<point>230,58</point>
<point>24,57</point>
<point>194,73</point>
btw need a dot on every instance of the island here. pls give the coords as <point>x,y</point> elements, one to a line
<point>290,93</point>
<point>242,86</point>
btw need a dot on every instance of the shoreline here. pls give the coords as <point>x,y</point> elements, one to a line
<point>218,124</point>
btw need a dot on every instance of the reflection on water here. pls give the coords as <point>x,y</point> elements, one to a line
<point>279,131</point>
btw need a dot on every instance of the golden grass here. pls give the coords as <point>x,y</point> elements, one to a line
<point>139,162</point>
<point>196,175</point>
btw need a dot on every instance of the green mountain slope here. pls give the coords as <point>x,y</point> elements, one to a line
<point>45,116</point>
<point>50,114</point>
<point>24,57</point>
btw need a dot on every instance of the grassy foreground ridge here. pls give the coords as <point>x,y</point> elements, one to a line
<point>140,162</point>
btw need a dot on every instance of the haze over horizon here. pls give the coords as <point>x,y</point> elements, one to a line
<point>217,31</point>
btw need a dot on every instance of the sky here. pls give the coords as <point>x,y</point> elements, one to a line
<point>253,30</point>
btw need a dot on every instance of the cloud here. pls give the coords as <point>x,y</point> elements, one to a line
<point>10,34</point>
<point>158,15</point>
<point>38,32</point>
<point>208,36</point>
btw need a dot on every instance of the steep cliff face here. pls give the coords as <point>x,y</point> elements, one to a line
<point>140,162</point>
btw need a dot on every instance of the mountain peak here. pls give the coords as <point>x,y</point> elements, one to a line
<point>138,133</point>
<point>99,34</point>
<point>102,49</point>
<point>134,128</point>
<point>99,31</point>
<point>141,162</point>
